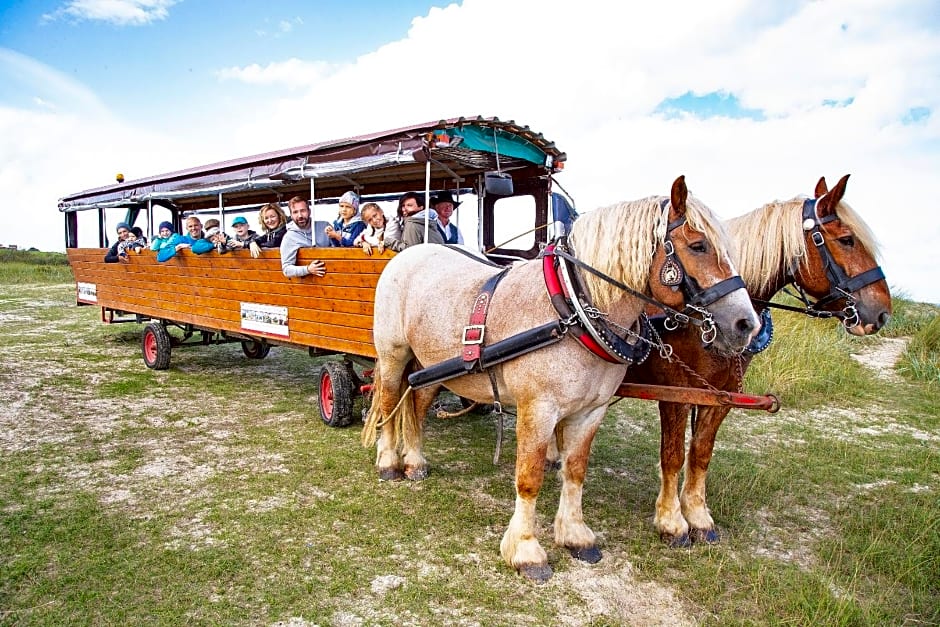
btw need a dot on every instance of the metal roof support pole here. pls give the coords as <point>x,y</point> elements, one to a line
<point>481,190</point>
<point>427,198</point>
<point>221,214</point>
<point>149,219</point>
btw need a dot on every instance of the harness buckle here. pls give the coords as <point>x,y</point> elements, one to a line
<point>818,238</point>
<point>467,330</point>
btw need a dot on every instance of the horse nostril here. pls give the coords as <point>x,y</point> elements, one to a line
<point>745,326</point>
<point>883,319</point>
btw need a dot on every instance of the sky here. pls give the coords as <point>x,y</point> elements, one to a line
<point>751,100</point>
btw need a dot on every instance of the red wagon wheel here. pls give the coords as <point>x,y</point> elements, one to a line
<point>336,394</point>
<point>156,346</point>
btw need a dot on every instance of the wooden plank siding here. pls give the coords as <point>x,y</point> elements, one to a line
<point>332,313</point>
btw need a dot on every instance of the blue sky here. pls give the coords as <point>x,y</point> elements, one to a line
<point>752,101</point>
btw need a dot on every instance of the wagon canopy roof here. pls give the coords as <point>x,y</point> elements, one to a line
<point>382,162</point>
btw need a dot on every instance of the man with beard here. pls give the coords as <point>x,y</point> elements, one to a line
<point>299,235</point>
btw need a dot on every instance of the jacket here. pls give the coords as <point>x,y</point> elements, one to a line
<point>349,231</point>
<point>295,238</point>
<point>412,231</point>
<point>272,239</point>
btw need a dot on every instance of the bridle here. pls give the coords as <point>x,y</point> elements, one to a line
<point>672,274</point>
<point>841,285</point>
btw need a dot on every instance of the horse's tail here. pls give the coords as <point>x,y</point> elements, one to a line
<point>373,418</point>
<point>402,419</point>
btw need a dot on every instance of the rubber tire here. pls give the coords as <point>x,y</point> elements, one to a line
<point>254,349</point>
<point>156,346</point>
<point>336,394</point>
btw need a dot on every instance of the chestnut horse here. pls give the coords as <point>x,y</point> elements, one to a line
<point>777,244</point>
<point>424,298</point>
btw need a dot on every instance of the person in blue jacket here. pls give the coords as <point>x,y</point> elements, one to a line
<point>348,225</point>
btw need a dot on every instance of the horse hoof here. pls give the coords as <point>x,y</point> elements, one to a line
<point>676,542</point>
<point>539,573</point>
<point>589,554</point>
<point>706,536</point>
<point>391,474</point>
<point>417,473</point>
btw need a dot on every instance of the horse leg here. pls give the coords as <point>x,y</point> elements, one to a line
<point>388,393</point>
<point>694,506</point>
<point>416,466</point>
<point>575,437</point>
<point>519,546</point>
<point>552,456</point>
<point>669,521</point>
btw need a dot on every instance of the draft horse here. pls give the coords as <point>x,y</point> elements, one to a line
<point>424,298</point>
<point>823,247</point>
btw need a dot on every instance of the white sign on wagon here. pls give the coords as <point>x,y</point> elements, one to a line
<point>87,292</point>
<point>265,318</point>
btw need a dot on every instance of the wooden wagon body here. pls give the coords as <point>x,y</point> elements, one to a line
<point>233,297</point>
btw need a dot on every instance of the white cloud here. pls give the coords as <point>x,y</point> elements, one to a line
<point>120,12</point>
<point>589,75</point>
<point>291,74</point>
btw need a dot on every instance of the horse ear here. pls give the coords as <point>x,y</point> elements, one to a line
<point>680,193</point>
<point>827,204</point>
<point>821,187</point>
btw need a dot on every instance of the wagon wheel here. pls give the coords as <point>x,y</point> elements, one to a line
<point>156,345</point>
<point>254,349</point>
<point>336,394</point>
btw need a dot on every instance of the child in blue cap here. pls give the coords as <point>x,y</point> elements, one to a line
<point>244,237</point>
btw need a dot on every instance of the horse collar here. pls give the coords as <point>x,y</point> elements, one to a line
<point>583,321</point>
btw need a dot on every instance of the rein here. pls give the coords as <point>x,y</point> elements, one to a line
<point>841,285</point>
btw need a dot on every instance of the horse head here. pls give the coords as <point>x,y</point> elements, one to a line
<point>692,271</point>
<point>840,268</point>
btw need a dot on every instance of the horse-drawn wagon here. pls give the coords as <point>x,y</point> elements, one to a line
<point>583,285</point>
<point>505,167</point>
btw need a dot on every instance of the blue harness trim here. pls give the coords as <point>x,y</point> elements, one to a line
<point>764,337</point>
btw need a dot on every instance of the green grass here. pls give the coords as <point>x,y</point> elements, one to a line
<point>24,266</point>
<point>211,493</point>
<point>921,360</point>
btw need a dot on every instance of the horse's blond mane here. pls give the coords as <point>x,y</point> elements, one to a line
<point>620,240</point>
<point>770,240</point>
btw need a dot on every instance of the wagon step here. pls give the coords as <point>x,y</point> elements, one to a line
<point>699,396</point>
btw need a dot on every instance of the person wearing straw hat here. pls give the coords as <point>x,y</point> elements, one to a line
<point>444,204</point>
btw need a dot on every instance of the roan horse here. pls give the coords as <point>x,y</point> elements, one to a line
<point>777,245</point>
<point>423,300</point>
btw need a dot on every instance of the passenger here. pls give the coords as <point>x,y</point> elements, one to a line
<point>409,225</point>
<point>273,223</point>
<point>244,237</point>
<point>444,204</point>
<point>123,232</point>
<point>374,233</point>
<point>348,225</point>
<point>133,242</point>
<point>216,236</point>
<point>299,235</point>
<point>194,233</point>
<point>167,237</point>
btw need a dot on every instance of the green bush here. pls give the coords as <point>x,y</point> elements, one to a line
<point>33,266</point>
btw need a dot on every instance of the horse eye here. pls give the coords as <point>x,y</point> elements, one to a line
<point>698,247</point>
<point>848,240</point>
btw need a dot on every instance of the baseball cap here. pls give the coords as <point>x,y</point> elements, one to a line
<point>239,220</point>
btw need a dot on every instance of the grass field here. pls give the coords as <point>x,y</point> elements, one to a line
<point>211,493</point>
